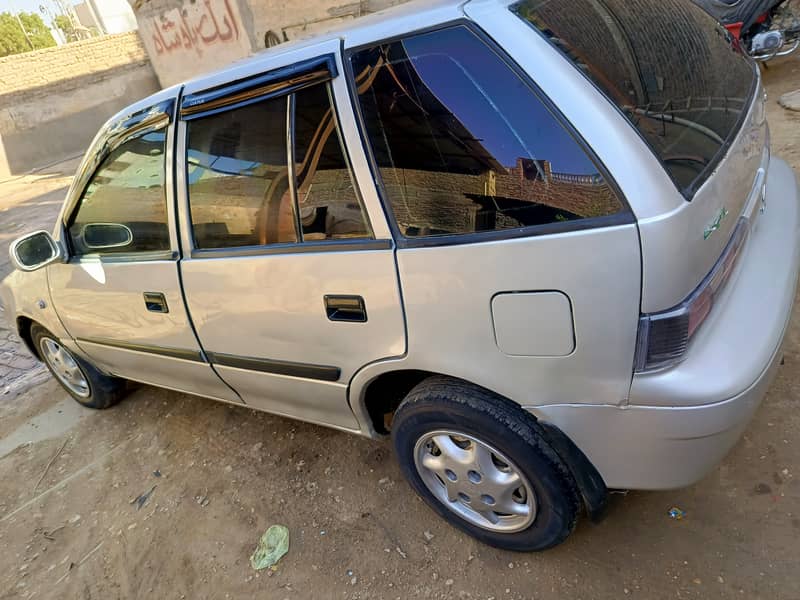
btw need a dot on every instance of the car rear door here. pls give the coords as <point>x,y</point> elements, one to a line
<point>119,294</point>
<point>288,270</point>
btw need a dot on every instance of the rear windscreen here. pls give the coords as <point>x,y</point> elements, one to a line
<point>674,72</point>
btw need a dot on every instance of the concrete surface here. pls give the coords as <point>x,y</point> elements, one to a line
<point>217,476</point>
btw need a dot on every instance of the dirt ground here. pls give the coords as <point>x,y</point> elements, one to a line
<point>218,476</point>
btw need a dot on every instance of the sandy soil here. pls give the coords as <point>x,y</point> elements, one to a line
<point>219,475</point>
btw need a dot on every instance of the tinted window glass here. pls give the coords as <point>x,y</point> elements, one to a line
<point>677,75</point>
<point>328,205</point>
<point>124,207</point>
<point>238,177</point>
<point>463,145</point>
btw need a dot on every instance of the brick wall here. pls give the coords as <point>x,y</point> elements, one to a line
<point>24,72</point>
<point>653,43</point>
<point>53,101</point>
<point>443,201</point>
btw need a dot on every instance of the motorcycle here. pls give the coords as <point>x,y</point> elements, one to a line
<point>767,29</point>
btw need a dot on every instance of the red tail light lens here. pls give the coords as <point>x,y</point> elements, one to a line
<point>664,336</point>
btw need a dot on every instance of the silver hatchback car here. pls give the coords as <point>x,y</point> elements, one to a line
<point>544,247</point>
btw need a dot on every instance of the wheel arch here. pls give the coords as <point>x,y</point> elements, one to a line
<point>24,325</point>
<point>380,397</point>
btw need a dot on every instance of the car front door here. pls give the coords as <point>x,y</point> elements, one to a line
<point>289,273</point>
<point>119,294</point>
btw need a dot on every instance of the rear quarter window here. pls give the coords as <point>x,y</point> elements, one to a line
<point>463,145</point>
<point>677,75</point>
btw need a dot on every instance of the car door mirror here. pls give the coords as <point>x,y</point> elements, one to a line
<point>101,236</point>
<point>34,251</point>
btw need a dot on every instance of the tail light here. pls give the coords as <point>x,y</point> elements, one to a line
<point>664,336</point>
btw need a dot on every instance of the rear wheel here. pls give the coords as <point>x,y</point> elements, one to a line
<point>484,465</point>
<point>79,378</point>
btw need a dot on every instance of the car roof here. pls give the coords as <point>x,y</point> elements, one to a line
<point>394,21</point>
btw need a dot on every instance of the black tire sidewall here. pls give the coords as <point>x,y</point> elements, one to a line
<point>104,391</point>
<point>518,440</point>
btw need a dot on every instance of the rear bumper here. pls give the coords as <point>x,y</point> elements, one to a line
<point>681,422</point>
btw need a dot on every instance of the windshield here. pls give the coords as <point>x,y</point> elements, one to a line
<point>673,71</point>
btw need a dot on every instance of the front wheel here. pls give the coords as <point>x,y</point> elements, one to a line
<point>484,465</point>
<point>81,380</point>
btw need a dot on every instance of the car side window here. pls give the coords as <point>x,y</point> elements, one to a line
<point>241,190</point>
<point>463,145</point>
<point>328,205</point>
<point>124,207</point>
<point>238,177</point>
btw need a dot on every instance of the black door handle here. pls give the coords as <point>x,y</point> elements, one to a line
<point>346,308</point>
<point>155,302</point>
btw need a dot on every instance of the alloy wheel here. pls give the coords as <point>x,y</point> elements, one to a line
<point>65,367</point>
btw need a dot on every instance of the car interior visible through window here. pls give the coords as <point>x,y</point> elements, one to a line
<point>238,177</point>
<point>241,191</point>
<point>328,205</point>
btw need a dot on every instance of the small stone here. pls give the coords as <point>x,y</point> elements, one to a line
<point>449,582</point>
<point>428,535</point>
<point>696,581</point>
<point>353,580</point>
<point>74,519</point>
<point>400,552</point>
<point>511,565</point>
<point>720,579</point>
<point>762,489</point>
<point>384,481</point>
<point>626,591</point>
<point>790,100</point>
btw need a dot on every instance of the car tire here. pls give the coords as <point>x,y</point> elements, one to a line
<point>488,445</point>
<point>82,380</point>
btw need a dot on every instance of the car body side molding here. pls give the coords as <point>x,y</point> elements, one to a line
<point>181,353</point>
<point>277,367</point>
